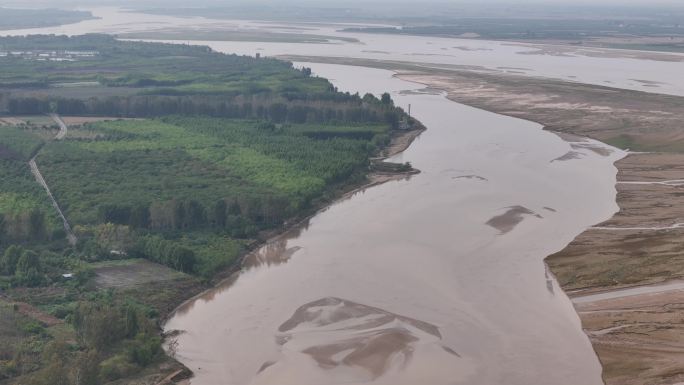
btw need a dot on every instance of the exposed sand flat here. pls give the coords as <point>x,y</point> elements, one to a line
<point>674,183</point>
<point>128,273</point>
<point>10,121</point>
<point>475,177</point>
<point>342,335</point>
<point>636,331</point>
<point>651,228</point>
<point>570,155</point>
<point>511,218</point>
<point>638,337</point>
<point>629,292</point>
<point>79,120</point>
<point>607,47</point>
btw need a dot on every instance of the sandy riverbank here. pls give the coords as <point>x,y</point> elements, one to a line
<point>638,339</point>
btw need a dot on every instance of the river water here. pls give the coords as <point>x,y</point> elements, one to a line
<point>406,283</point>
<point>644,71</point>
<point>437,279</point>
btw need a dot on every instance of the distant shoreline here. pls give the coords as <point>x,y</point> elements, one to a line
<point>12,19</point>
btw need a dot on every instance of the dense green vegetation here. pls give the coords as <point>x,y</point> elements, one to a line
<point>130,79</point>
<point>195,154</point>
<point>19,144</point>
<point>184,174</point>
<point>11,18</point>
<point>106,337</point>
<point>23,338</point>
<point>25,212</point>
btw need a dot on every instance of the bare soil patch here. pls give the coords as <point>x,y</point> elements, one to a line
<point>80,120</point>
<point>134,272</point>
<point>10,121</point>
<point>32,312</point>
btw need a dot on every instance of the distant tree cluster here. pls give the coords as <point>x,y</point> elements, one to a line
<point>23,265</point>
<point>167,252</point>
<point>24,226</point>
<point>275,109</point>
<point>101,326</point>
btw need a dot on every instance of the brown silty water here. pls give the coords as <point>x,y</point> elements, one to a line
<point>438,279</point>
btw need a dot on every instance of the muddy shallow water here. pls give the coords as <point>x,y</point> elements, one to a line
<point>410,282</point>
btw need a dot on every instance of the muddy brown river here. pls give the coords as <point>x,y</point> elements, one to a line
<point>436,279</point>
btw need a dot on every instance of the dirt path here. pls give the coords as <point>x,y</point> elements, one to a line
<point>62,127</point>
<point>629,292</point>
<point>39,178</point>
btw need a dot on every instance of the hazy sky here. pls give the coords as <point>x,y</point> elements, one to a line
<point>34,3</point>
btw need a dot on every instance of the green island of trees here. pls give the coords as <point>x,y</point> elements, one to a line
<point>180,156</point>
<point>15,18</point>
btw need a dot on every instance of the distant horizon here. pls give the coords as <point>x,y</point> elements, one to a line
<point>338,3</point>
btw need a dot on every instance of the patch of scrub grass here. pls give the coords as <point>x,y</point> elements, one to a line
<point>624,142</point>
<point>629,142</point>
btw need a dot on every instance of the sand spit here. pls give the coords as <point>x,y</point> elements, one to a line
<point>570,155</point>
<point>472,177</point>
<point>379,340</point>
<point>507,221</point>
<point>355,343</point>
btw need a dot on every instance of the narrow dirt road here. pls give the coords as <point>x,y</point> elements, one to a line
<point>629,292</point>
<point>39,178</point>
<point>62,127</point>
